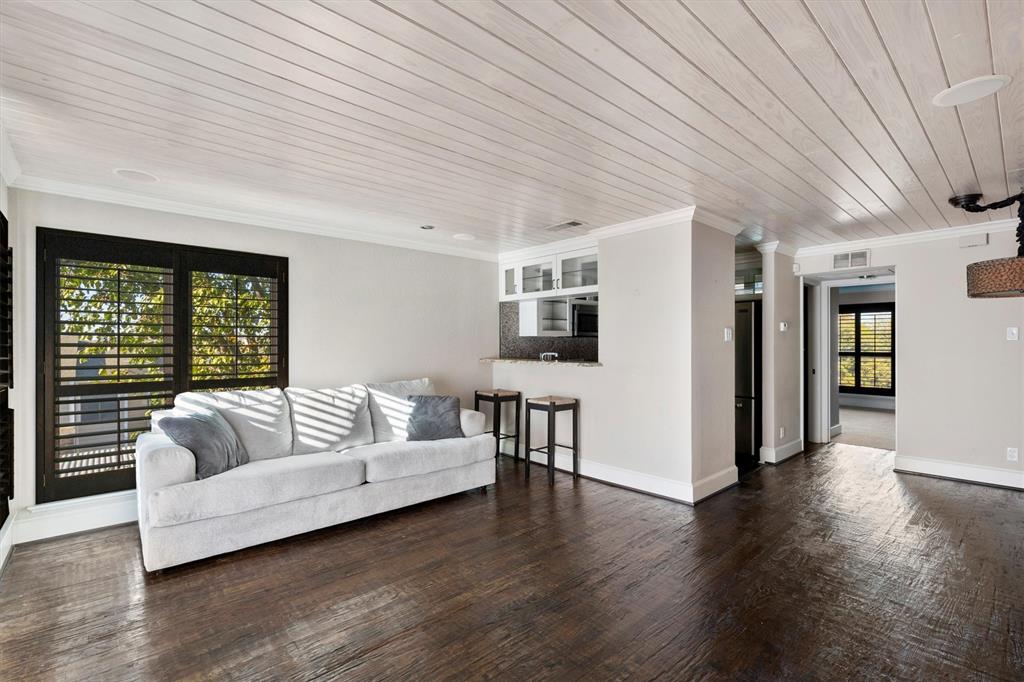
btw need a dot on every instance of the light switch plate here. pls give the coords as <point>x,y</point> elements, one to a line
<point>783,326</point>
<point>1012,333</point>
<point>1011,454</point>
<point>728,334</point>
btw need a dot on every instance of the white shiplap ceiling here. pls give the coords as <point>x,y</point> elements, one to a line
<point>806,122</point>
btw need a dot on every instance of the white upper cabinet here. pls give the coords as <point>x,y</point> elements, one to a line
<point>577,272</point>
<point>570,273</point>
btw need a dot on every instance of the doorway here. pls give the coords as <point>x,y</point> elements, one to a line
<point>853,399</point>
<point>748,345</point>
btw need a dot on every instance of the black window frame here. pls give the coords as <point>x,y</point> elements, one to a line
<point>55,244</point>
<point>6,371</point>
<point>857,353</point>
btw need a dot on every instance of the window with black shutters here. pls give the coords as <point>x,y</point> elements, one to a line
<point>6,374</point>
<point>867,344</point>
<point>124,326</point>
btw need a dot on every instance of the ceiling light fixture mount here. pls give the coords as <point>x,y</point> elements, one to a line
<point>971,90</point>
<point>426,227</point>
<point>1002,277</point>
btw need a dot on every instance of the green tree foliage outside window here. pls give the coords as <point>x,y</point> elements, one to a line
<point>233,326</point>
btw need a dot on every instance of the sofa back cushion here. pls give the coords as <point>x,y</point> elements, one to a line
<point>390,408</point>
<point>261,419</point>
<point>329,418</point>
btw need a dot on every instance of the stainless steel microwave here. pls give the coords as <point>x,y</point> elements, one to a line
<point>584,318</point>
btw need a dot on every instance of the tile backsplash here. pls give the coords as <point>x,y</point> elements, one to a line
<point>512,345</point>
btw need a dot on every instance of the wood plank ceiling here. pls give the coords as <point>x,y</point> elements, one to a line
<point>809,122</point>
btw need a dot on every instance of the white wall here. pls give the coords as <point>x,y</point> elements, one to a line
<point>713,360</point>
<point>357,311</point>
<point>781,358</point>
<point>4,200</point>
<point>638,410</point>
<point>960,395</point>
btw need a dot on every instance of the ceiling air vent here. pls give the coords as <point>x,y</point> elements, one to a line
<point>567,225</point>
<point>850,259</point>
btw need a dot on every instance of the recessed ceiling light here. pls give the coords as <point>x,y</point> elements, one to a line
<point>426,227</point>
<point>463,236</point>
<point>970,90</point>
<point>136,175</point>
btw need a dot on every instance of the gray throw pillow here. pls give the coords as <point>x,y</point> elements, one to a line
<point>210,438</point>
<point>434,417</point>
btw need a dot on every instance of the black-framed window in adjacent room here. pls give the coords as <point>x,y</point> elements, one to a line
<point>123,326</point>
<point>867,348</point>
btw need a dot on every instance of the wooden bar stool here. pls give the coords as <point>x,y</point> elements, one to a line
<point>552,405</point>
<point>497,397</point>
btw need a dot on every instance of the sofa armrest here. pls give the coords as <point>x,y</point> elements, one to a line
<point>472,422</point>
<point>160,462</point>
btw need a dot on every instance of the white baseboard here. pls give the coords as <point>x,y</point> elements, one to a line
<point>872,402</point>
<point>709,485</point>
<point>971,473</point>
<point>680,491</point>
<point>48,520</point>
<point>783,452</point>
<point>6,540</point>
<point>835,431</point>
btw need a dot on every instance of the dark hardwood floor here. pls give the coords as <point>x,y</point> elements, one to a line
<point>826,567</point>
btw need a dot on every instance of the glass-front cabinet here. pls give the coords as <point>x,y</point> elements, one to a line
<point>509,285</point>
<point>538,277</point>
<point>577,272</point>
<point>572,273</point>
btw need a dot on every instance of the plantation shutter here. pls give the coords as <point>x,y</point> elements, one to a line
<point>124,326</point>
<point>867,348</point>
<point>6,373</point>
<point>109,336</point>
<point>236,326</point>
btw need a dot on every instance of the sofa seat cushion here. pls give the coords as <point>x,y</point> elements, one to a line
<point>255,485</point>
<point>399,459</point>
<point>262,419</point>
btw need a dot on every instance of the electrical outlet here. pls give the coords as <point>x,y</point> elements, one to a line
<point>782,432</point>
<point>1011,454</point>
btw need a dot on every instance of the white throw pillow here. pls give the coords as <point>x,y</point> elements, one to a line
<point>329,418</point>
<point>390,408</point>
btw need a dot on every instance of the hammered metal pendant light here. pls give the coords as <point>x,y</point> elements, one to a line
<point>1002,277</point>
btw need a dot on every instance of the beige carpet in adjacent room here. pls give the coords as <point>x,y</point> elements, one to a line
<point>870,428</point>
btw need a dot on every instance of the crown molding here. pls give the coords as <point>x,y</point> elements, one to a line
<point>590,239</point>
<point>1004,225</point>
<point>775,247</point>
<point>10,169</point>
<point>683,215</point>
<point>704,216</point>
<point>109,196</point>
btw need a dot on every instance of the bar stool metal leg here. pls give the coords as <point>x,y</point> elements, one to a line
<point>551,443</point>
<point>576,440</point>
<point>497,428</point>
<point>519,408</point>
<point>528,411</point>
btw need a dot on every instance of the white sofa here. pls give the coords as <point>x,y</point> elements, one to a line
<point>317,458</point>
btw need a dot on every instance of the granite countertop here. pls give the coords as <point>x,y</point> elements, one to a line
<point>538,361</point>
